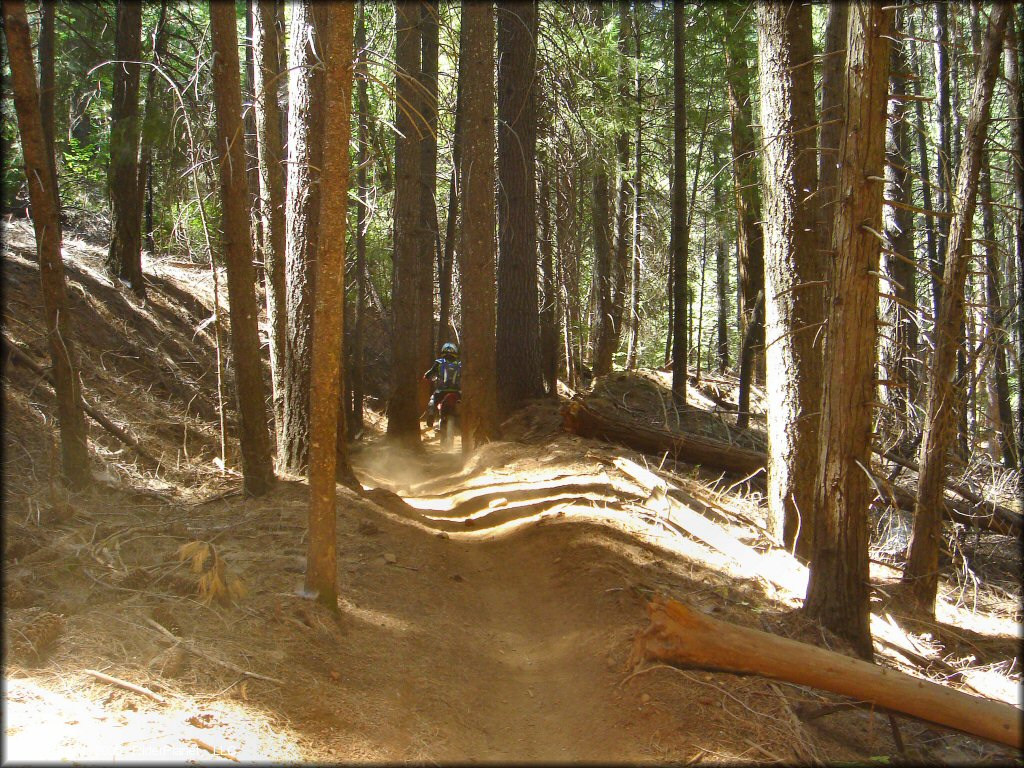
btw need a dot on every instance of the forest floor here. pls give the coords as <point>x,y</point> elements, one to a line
<point>485,615</point>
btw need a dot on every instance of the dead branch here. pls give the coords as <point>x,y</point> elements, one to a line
<point>126,685</point>
<point>191,648</point>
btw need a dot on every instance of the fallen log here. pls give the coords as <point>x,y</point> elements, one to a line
<point>585,422</point>
<point>681,636</point>
<point>579,419</point>
<point>1004,517</point>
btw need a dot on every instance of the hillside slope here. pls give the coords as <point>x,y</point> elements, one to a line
<point>488,616</point>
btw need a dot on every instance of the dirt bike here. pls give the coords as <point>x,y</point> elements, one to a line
<point>448,416</point>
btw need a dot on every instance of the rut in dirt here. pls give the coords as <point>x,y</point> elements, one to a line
<point>535,623</point>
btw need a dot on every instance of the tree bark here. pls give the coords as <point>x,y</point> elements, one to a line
<point>633,347</point>
<point>270,150</point>
<point>753,337</point>
<point>479,414</point>
<point>124,258</point>
<point>794,269</point>
<point>149,127</point>
<point>921,572</point>
<point>721,273</point>
<point>355,424</point>
<point>601,217</point>
<point>620,260</point>
<point>47,76</point>
<point>680,240</point>
<point>997,381</point>
<point>45,203</point>
<point>943,154</point>
<point>428,236</point>
<point>749,238</point>
<point>518,332</point>
<point>444,269</point>
<point>680,635</point>
<point>924,173</point>
<point>833,107</point>
<point>901,354</point>
<point>325,460</point>
<point>406,363</point>
<point>250,389</point>
<point>549,298</point>
<point>302,227</point>
<point>568,263</point>
<point>838,585</point>
<point>1013,65</point>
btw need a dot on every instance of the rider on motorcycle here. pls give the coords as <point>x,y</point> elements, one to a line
<point>446,376</point>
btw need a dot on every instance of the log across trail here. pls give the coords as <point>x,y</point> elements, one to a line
<point>580,419</point>
<point>682,636</point>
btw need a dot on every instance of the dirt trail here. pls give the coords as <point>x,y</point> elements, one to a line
<point>519,622</point>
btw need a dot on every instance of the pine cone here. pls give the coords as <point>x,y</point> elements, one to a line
<point>18,595</point>
<point>163,616</point>
<point>176,663</point>
<point>33,632</point>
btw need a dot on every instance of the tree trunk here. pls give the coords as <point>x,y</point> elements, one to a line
<point>444,270</point>
<point>428,234</point>
<point>749,238</point>
<point>302,227</point>
<point>633,347</point>
<point>549,300</point>
<point>753,337</point>
<point>998,384</point>
<point>45,203</point>
<point>833,118</point>
<point>924,174</point>
<point>325,461</point>
<point>565,239</point>
<point>943,154</point>
<point>838,585</point>
<point>1014,64</point>
<point>270,150</point>
<point>250,389</point>
<point>601,217</point>
<point>680,244</point>
<point>479,415</point>
<point>680,635</point>
<point>794,270</point>
<point>47,76</point>
<point>252,172</point>
<point>518,331</point>
<point>921,572</point>
<point>355,423</point>
<point>721,273</point>
<point>620,261</point>
<point>406,363</point>
<point>149,125</point>
<point>124,258</point>
<point>900,269</point>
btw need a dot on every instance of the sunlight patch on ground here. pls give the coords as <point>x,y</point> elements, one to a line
<point>46,725</point>
<point>376,618</point>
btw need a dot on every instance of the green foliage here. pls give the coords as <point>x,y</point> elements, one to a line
<point>84,170</point>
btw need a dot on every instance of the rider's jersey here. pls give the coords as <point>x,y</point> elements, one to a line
<point>446,375</point>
